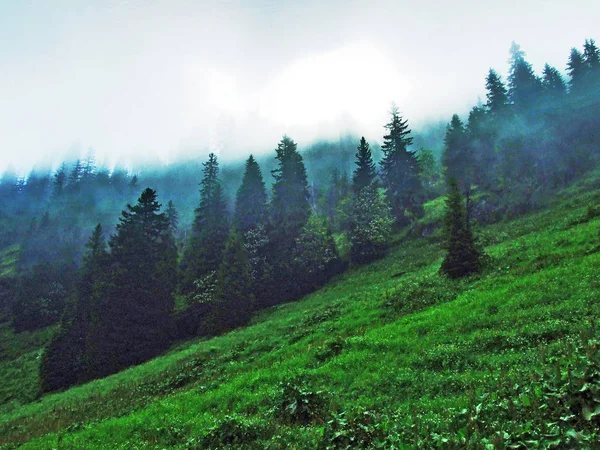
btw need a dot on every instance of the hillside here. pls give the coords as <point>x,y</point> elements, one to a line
<point>387,354</point>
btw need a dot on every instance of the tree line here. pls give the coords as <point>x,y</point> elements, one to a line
<point>533,135</point>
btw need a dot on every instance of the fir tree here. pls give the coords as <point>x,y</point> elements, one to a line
<point>365,172</point>
<point>132,321</point>
<point>251,199</point>
<point>60,180</point>
<point>235,285</point>
<point>64,361</point>
<point>577,72</point>
<point>400,171</point>
<point>290,210</point>
<point>463,256</point>
<point>456,158</point>
<point>209,230</point>
<point>553,83</point>
<point>524,86</point>
<point>290,207</point>
<point>173,217</point>
<point>497,96</point>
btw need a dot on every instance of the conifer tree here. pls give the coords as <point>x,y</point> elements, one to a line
<point>251,199</point>
<point>524,86</point>
<point>289,210</point>
<point>365,172</point>
<point>553,83</point>
<point>173,217</point>
<point>457,159</point>
<point>209,230</point>
<point>400,171</point>
<point>76,175</point>
<point>64,361</point>
<point>290,207</point>
<point>497,95</point>
<point>132,321</point>
<point>60,180</point>
<point>577,72</point>
<point>463,256</point>
<point>235,285</point>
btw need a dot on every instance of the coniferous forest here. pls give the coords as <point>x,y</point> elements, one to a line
<point>118,266</point>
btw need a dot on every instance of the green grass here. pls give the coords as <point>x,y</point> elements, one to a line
<point>392,338</point>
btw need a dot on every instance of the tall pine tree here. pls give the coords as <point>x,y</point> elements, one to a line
<point>400,171</point>
<point>463,256</point>
<point>209,230</point>
<point>365,172</point>
<point>251,199</point>
<point>132,321</point>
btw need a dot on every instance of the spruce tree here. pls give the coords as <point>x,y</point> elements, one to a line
<point>251,199</point>
<point>60,180</point>
<point>209,230</point>
<point>457,159</point>
<point>290,210</point>
<point>463,256</point>
<point>235,285</point>
<point>400,171</point>
<point>173,217</point>
<point>64,361</point>
<point>577,72</point>
<point>290,207</point>
<point>497,95</point>
<point>132,321</point>
<point>553,83</point>
<point>365,172</point>
<point>525,87</point>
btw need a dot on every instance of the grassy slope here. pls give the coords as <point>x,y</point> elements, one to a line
<point>391,336</point>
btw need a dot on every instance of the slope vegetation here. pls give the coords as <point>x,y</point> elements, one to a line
<point>389,354</point>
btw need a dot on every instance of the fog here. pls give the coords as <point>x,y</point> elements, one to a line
<point>162,81</point>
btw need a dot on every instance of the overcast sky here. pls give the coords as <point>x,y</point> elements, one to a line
<point>160,79</point>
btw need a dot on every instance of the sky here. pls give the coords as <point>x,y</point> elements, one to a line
<point>163,80</point>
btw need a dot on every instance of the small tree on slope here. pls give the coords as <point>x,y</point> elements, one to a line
<point>464,257</point>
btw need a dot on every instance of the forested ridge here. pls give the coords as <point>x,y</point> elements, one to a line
<point>124,265</point>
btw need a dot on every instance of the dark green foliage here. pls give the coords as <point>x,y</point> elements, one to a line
<point>290,207</point>
<point>457,158</point>
<point>429,172</point>
<point>497,95</point>
<point>463,256</point>
<point>554,85</point>
<point>235,286</point>
<point>64,362</point>
<point>370,225</point>
<point>173,217</point>
<point>290,210</point>
<point>131,322</point>
<point>209,230</point>
<point>524,86</point>
<point>231,432</point>
<point>251,199</point>
<point>41,296</point>
<point>358,429</point>
<point>365,172</point>
<point>400,171</point>
<point>315,258</point>
<point>300,403</point>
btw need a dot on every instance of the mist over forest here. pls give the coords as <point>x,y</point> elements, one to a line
<point>107,266</point>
